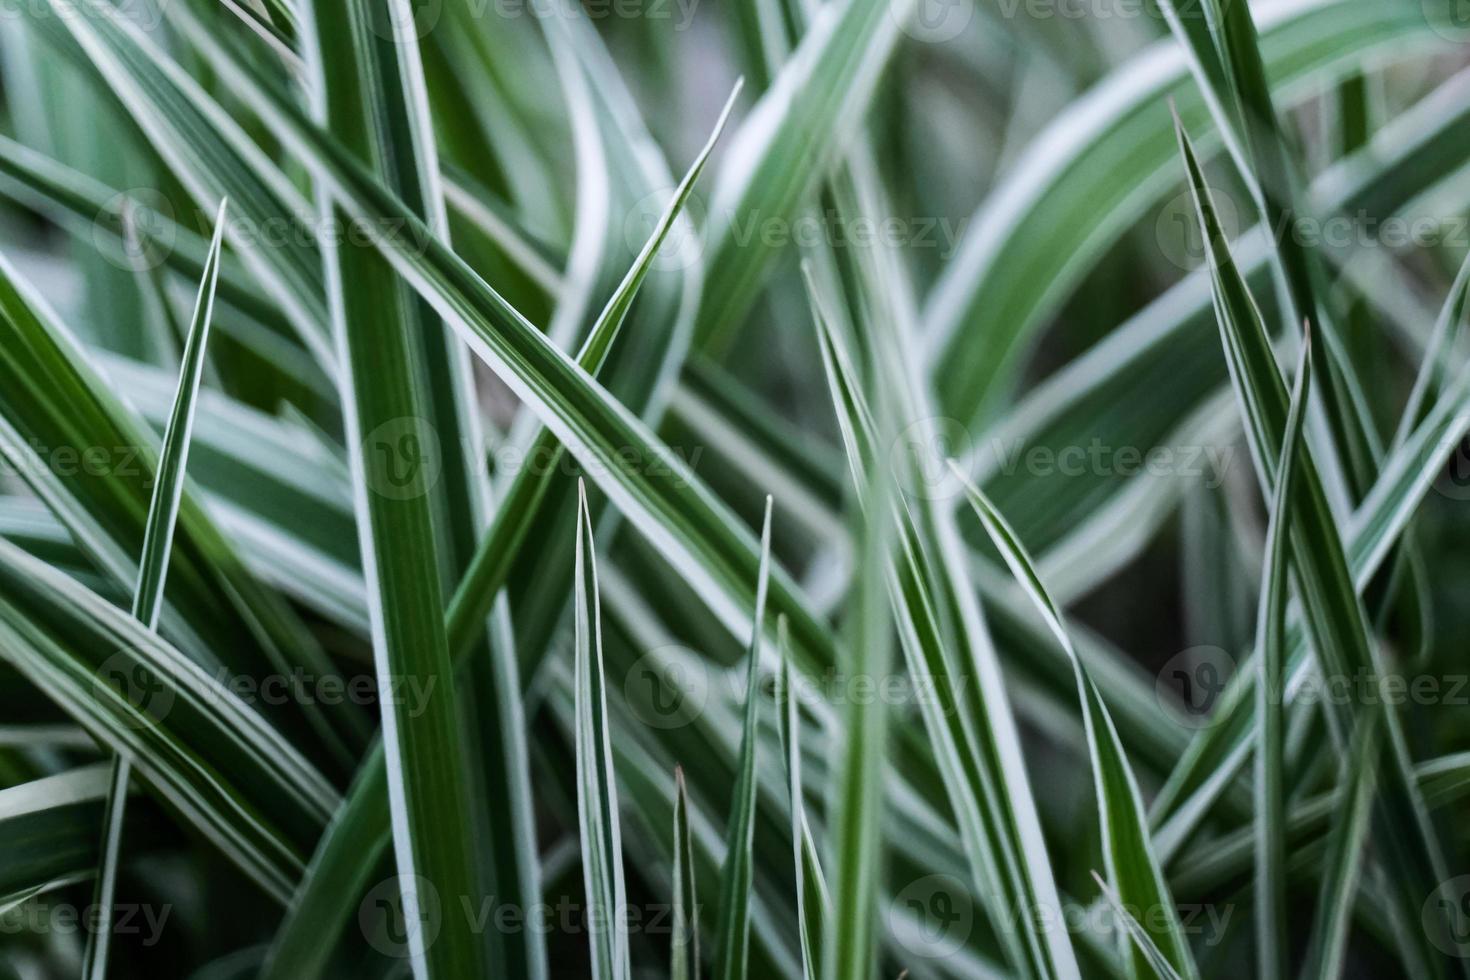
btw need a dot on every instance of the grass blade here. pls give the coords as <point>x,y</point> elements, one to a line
<point>158,536</point>
<point>597,794</point>
<point>1334,615</point>
<point>1132,865</point>
<point>813,902</point>
<point>684,946</point>
<point>1272,930</point>
<point>736,873</point>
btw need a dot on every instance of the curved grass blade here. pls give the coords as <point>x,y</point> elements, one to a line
<point>494,556</point>
<point>597,794</point>
<point>811,112</point>
<point>684,945</point>
<point>1271,910</point>
<point>1132,865</point>
<point>158,535</point>
<point>1005,279</point>
<point>736,873</point>
<point>210,757</point>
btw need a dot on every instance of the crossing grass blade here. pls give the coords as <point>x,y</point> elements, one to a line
<point>1333,613</point>
<point>1342,862</point>
<point>733,932</point>
<point>984,776</point>
<point>1272,927</point>
<point>1132,866</point>
<point>298,946</point>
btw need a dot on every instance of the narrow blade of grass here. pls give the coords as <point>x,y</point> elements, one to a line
<point>1334,615</point>
<point>1272,951</point>
<point>813,902</point>
<point>163,511</point>
<point>597,794</point>
<point>1132,865</point>
<point>736,874</point>
<point>684,945</point>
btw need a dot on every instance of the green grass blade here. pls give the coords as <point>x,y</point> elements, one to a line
<point>1132,865</point>
<point>974,740</point>
<point>495,554</point>
<point>597,795</point>
<point>1005,280</point>
<point>1333,613</point>
<point>212,758</point>
<point>850,943</point>
<point>1342,862</point>
<point>813,902</point>
<point>684,944</point>
<point>158,535</point>
<point>733,932</point>
<point>1272,951</point>
<point>812,110</point>
<point>1157,961</point>
<point>411,405</point>
<point>298,945</point>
